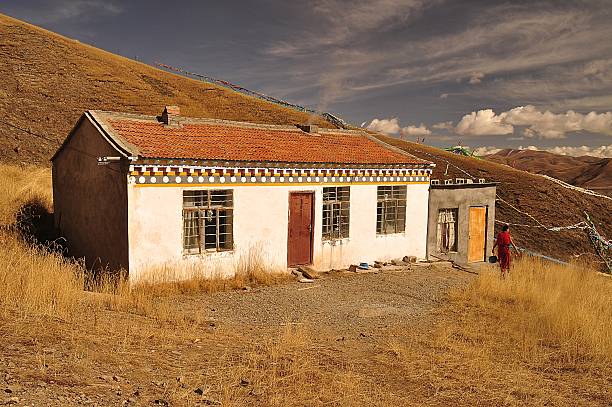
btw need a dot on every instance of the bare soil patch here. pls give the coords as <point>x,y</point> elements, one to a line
<point>342,304</point>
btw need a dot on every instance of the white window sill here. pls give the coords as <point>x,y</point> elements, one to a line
<point>220,253</point>
<point>380,235</point>
<point>334,242</point>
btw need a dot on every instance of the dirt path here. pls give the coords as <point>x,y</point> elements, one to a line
<point>342,304</point>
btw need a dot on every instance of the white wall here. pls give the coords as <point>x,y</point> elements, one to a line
<point>364,245</point>
<point>261,225</point>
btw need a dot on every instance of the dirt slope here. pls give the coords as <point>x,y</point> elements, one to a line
<point>549,203</point>
<point>586,172</point>
<point>49,80</point>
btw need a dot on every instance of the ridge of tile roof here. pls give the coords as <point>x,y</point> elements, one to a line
<point>146,136</point>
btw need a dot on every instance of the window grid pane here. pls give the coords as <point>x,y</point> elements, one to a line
<point>391,209</point>
<point>207,220</point>
<point>336,212</point>
<point>191,234</point>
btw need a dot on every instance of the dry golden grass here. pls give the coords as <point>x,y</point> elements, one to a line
<point>35,278</point>
<point>20,186</point>
<point>173,279</point>
<point>541,336</point>
<point>32,279</point>
<point>155,293</point>
<point>567,308</point>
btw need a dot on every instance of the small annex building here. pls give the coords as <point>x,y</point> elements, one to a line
<point>138,192</point>
<point>461,220</point>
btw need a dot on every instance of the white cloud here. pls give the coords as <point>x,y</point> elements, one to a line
<point>63,10</point>
<point>545,124</point>
<point>392,126</point>
<point>601,151</point>
<point>411,130</point>
<point>444,126</point>
<point>538,53</point>
<point>476,78</point>
<point>527,120</point>
<point>388,126</point>
<point>483,123</point>
<point>480,151</point>
<point>550,125</point>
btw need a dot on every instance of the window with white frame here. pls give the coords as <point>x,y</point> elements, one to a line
<point>447,230</point>
<point>336,211</point>
<point>207,221</point>
<point>391,209</point>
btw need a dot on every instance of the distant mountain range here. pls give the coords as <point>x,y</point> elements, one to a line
<point>593,173</point>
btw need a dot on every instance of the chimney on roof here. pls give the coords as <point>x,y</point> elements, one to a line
<point>309,128</point>
<point>170,115</point>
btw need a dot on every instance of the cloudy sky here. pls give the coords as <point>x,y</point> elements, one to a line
<point>484,73</point>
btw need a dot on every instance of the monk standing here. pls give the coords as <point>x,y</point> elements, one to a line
<point>503,243</point>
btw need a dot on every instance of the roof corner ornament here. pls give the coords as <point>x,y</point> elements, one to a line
<point>309,128</point>
<point>170,115</point>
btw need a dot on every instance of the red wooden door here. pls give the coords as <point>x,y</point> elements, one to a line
<point>299,244</point>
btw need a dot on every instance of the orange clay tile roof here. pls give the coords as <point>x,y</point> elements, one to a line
<point>232,141</point>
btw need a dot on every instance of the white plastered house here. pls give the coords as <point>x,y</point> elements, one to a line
<point>138,192</point>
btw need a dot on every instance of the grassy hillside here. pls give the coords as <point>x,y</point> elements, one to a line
<point>49,80</point>
<point>546,201</point>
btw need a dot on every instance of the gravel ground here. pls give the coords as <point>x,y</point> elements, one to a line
<point>342,302</point>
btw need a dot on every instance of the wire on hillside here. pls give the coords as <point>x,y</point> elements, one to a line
<point>579,225</point>
<point>519,211</point>
<point>574,187</point>
<point>335,120</point>
<point>29,132</point>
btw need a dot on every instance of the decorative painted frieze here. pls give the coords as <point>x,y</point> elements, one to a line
<point>192,175</point>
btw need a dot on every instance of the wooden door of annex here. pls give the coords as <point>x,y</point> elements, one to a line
<point>299,242</point>
<point>477,233</point>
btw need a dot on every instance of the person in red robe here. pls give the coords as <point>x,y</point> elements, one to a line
<point>503,243</point>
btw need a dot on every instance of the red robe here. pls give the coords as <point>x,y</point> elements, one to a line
<point>503,252</point>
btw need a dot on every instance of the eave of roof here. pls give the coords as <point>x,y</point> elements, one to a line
<point>146,137</point>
